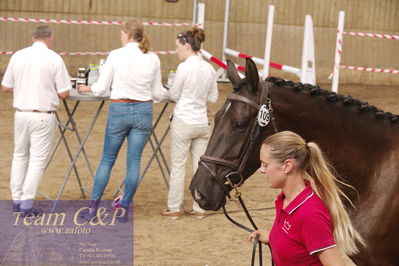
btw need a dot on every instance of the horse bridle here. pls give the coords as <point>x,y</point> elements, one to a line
<point>238,166</point>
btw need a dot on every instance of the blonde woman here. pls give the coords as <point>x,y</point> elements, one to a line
<point>310,228</point>
<point>134,77</point>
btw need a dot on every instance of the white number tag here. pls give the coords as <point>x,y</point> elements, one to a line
<point>263,116</point>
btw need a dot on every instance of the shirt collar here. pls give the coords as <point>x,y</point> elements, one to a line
<point>298,200</point>
<point>39,44</point>
<point>193,58</point>
<point>132,44</point>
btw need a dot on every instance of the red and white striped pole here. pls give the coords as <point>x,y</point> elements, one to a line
<point>90,53</point>
<point>338,51</point>
<point>220,63</point>
<point>210,57</point>
<point>7,52</point>
<point>371,69</point>
<point>261,61</point>
<point>372,35</point>
<point>94,22</point>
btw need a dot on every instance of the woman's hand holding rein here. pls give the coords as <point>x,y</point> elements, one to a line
<point>263,236</point>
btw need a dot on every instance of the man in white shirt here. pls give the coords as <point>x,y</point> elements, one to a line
<point>36,76</point>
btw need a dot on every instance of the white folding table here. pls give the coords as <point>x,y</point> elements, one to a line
<point>77,98</point>
<point>70,125</point>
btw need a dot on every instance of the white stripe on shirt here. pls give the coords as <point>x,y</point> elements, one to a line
<point>321,249</point>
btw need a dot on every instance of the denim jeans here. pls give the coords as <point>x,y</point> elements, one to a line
<point>125,120</point>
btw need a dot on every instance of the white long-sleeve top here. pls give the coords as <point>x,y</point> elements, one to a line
<point>193,85</point>
<point>36,74</point>
<point>130,74</point>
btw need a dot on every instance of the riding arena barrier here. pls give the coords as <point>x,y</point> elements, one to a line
<point>307,72</point>
<point>338,52</point>
<point>198,20</point>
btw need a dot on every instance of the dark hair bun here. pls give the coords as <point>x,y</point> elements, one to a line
<point>199,34</point>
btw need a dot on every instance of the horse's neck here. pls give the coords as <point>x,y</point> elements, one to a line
<point>354,142</point>
<point>317,119</point>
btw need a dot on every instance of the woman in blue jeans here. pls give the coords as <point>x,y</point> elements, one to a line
<point>134,77</point>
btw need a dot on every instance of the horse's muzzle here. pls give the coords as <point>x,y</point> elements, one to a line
<point>207,204</point>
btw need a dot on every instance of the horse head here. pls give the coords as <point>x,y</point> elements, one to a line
<point>232,154</point>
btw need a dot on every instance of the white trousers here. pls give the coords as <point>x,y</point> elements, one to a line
<point>33,134</point>
<point>185,139</point>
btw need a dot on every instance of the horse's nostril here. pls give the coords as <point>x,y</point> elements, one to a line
<point>197,195</point>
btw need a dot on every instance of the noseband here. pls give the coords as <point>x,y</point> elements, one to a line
<point>238,166</point>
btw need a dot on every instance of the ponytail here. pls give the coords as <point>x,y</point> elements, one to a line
<point>326,184</point>
<point>144,44</point>
<point>135,30</point>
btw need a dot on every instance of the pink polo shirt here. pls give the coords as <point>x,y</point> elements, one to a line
<point>301,230</point>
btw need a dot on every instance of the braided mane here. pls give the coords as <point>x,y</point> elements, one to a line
<point>334,97</point>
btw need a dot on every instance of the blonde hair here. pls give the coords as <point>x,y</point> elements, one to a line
<point>135,31</point>
<point>289,145</point>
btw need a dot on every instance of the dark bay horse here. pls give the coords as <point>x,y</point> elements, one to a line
<point>359,140</point>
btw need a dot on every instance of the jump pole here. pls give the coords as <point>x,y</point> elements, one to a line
<point>260,61</point>
<point>221,73</point>
<point>338,51</point>
<point>199,14</point>
<point>223,66</point>
<point>306,73</point>
<point>226,27</point>
<point>268,42</point>
<point>195,12</point>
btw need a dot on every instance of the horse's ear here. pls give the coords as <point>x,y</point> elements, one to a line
<point>251,73</point>
<point>232,72</point>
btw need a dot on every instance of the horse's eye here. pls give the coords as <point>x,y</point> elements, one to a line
<point>240,125</point>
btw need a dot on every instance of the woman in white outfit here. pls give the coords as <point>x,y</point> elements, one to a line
<point>194,85</point>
